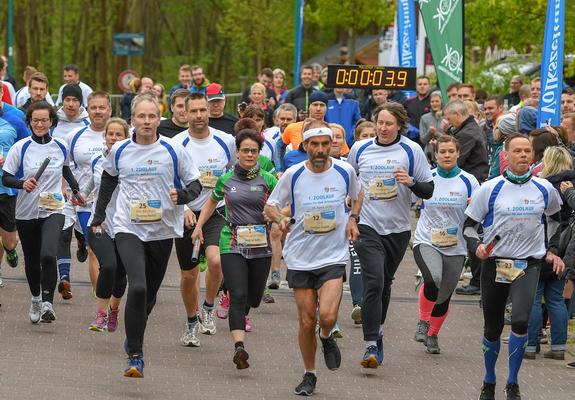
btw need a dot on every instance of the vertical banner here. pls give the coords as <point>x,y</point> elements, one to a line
<point>406,33</point>
<point>549,112</point>
<point>298,33</point>
<point>443,20</point>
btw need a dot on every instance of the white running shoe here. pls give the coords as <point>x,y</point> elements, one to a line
<point>35,311</point>
<point>207,321</point>
<point>190,336</point>
<point>48,314</point>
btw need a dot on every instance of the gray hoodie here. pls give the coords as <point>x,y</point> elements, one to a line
<point>65,126</point>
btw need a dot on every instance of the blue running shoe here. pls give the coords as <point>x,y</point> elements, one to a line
<point>370,358</point>
<point>135,368</point>
<point>11,257</point>
<point>380,350</point>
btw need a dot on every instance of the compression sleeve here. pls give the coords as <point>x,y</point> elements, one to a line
<point>107,187</point>
<point>11,181</point>
<point>470,234</point>
<point>190,192</point>
<point>423,190</point>
<point>69,177</point>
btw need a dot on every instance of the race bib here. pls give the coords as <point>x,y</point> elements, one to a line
<point>144,211</point>
<point>318,222</point>
<point>51,201</point>
<point>508,270</point>
<point>382,189</point>
<point>443,238</point>
<point>252,236</point>
<point>209,178</point>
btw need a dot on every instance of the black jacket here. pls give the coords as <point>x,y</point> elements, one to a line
<point>473,149</point>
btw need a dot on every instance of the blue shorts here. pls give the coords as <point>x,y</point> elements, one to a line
<point>83,218</point>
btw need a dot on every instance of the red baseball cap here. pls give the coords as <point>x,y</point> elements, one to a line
<point>215,91</point>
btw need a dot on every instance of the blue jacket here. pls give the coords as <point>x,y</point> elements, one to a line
<point>346,114</point>
<point>12,129</point>
<point>293,157</point>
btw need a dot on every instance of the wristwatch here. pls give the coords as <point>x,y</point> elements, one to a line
<point>355,217</point>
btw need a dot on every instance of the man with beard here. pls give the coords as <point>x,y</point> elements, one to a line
<point>37,88</point>
<point>316,248</point>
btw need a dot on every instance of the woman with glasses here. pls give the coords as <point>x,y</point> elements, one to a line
<point>244,241</point>
<point>36,165</point>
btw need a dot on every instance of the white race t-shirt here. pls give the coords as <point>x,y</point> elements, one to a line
<point>386,203</point>
<point>146,173</point>
<point>97,167</point>
<point>515,213</point>
<point>213,156</point>
<point>23,161</point>
<point>318,237</point>
<point>84,145</point>
<point>23,94</point>
<point>442,216</point>
<point>269,148</point>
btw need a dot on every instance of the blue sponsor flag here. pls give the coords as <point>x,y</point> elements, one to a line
<point>549,112</point>
<point>406,34</point>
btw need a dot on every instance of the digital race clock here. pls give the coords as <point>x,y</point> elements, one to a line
<point>371,77</point>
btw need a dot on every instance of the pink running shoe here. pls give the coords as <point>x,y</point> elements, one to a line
<point>99,323</point>
<point>248,323</point>
<point>113,319</point>
<point>223,306</point>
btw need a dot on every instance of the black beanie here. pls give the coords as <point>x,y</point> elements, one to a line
<point>74,90</point>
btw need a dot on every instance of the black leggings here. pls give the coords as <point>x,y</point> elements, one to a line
<point>112,276</point>
<point>145,264</point>
<point>380,257</point>
<point>39,238</point>
<point>246,281</point>
<point>494,298</point>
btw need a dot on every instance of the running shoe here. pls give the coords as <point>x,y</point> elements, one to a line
<point>487,391</point>
<point>571,365</point>
<point>356,315</point>
<point>307,385</point>
<point>135,368</point>
<point>241,357</point>
<point>555,354</point>
<point>12,257</point>
<point>421,331</point>
<point>1,281</point>
<point>248,323</point>
<point>432,344</point>
<point>48,314</point>
<point>65,289</point>
<point>331,353</point>
<point>223,306</point>
<point>113,319</point>
<point>82,252</point>
<point>190,336</point>
<point>379,343</point>
<point>512,391</point>
<point>268,298</point>
<point>370,358</point>
<point>275,280</point>
<point>99,323</point>
<point>35,311</point>
<point>336,331</point>
<point>207,321</point>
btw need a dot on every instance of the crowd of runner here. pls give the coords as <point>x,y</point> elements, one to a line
<point>326,179</point>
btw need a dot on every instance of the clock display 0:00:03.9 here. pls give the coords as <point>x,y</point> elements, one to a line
<point>371,77</point>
